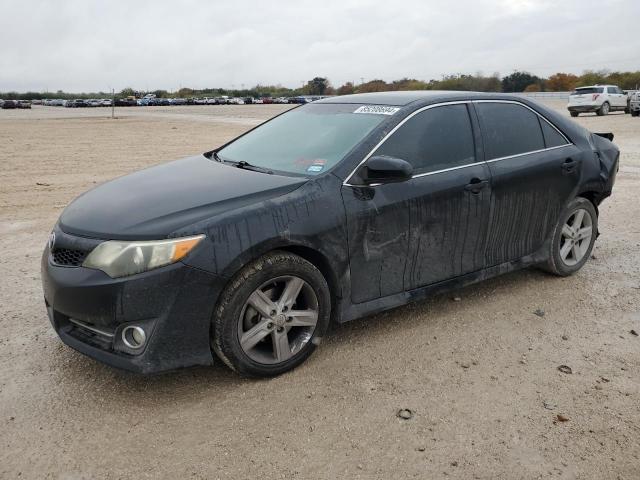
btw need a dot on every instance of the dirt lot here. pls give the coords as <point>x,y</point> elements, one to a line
<point>480,374</point>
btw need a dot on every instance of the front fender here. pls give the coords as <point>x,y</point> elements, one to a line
<point>311,217</point>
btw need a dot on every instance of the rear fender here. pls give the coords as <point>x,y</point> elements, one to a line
<point>608,156</point>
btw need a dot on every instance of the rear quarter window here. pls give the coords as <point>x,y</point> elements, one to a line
<point>509,129</point>
<point>552,138</point>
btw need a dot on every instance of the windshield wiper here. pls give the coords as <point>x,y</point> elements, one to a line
<point>247,166</point>
<point>242,164</point>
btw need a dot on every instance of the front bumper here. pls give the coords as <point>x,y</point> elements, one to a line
<point>88,309</point>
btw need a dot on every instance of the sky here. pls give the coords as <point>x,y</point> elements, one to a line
<point>91,45</point>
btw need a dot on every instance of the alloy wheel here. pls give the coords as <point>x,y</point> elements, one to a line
<point>576,237</point>
<point>278,320</point>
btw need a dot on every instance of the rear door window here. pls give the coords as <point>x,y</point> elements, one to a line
<point>435,139</point>
<point>509,129</point>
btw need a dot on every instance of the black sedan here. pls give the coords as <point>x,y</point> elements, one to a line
<point>333,210</point>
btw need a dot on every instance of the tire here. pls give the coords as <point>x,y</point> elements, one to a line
<point>563,263</point>
<point>574,114</point>
<point>254,301</point>
<point>635,113</point>
<point>604,109</point>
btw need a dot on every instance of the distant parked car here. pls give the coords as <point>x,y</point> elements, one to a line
<point>178,101</point>
<point>634,102</point>
<point>36,102</point>
<point>224,100</point>
<point>199,101</point>
<point>126,102</point>
<point>600,99</point>
<point>267,100</point>
<point>249,100</point>
<point>297,100</point>
<point>24,104</point>
<point>105,102</point>
<point>93,102</point>
<point>9,104</point>
<point>78,102</point>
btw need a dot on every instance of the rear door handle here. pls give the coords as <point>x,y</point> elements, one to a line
<point>476,185</point>
<point>569,165</point>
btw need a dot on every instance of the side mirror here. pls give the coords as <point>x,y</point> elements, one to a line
<point>383,169</point>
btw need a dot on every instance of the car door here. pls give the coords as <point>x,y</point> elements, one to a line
<point>431,227</point>
<point>378,238</point>
<point>535,171</point>
<point>618,97</point>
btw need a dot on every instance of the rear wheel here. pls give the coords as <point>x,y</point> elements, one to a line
<point>635,113</point>
<point>604,109</point>
<point>574,114</point>
<point>271,316</point>
<point>573,238</point>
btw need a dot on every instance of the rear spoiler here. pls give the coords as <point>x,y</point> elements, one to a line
<point>608,136</point>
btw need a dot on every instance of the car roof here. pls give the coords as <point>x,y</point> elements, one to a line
<point>402,98</point>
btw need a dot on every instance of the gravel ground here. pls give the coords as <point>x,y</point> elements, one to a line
<point>477,368</point>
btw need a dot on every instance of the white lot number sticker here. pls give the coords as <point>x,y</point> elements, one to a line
<point>377,109</point>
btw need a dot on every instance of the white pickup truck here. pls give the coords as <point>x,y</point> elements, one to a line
<point>600,99</point>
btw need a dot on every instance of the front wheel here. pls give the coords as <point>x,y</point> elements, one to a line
<point>573,238</point>
<point>271,316</point>
<point>635,113</point>
<point>574,114</point>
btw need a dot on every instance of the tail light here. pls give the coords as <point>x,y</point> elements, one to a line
<point>595,95</point>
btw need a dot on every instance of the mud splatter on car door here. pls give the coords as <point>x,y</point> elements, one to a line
<point>378,232</point>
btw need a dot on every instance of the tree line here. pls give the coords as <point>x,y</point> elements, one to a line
<point>515,82</point>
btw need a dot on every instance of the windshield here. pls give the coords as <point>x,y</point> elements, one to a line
<point>307,140</point>
<point>582,91</point>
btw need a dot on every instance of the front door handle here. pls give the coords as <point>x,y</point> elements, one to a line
<point>476,185</point>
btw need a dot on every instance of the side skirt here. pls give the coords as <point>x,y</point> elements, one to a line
<point>353,311</point>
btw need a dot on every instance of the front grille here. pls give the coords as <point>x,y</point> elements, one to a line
<point>67,257</point>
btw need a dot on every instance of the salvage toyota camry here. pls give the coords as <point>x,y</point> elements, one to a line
<point>333,210</point>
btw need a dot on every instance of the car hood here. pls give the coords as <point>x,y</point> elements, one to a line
<point>152,203</point>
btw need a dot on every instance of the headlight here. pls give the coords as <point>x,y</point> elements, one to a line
<point>119,259</point>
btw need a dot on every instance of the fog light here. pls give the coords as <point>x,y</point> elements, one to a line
<point>134,337</point>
